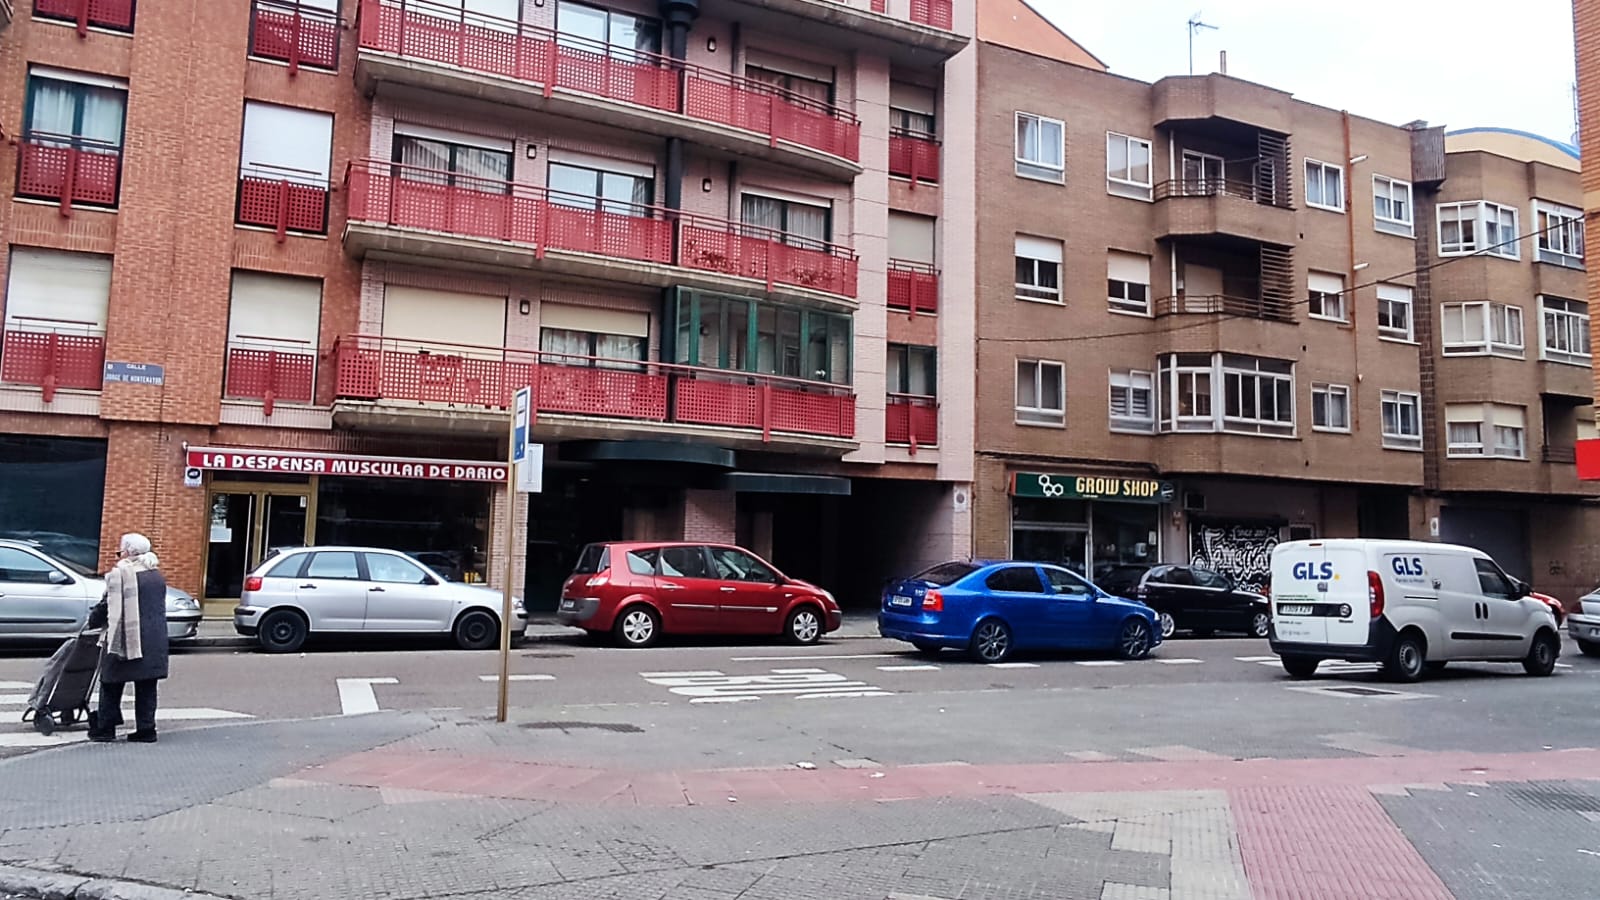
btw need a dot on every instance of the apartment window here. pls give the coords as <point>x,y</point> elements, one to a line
<point>1564,330</point>
<point>911,110</point>
<point>83,112</point>
<point>1041,392</point>
<point>1128,282</point>
<point>1324,185</point>
<point>1325,297</point>
<point>592,29</point>
<point>612,187</point>
<point>1391,205</point>
<point>913,370</point>
<point>1330,407</point>
<point>1394,312</point>
<point>279,145</point>
<point>1038,269</point>
<point>1203,174</point>
<point>1560,234</point>
<point>1127,166</point>
<point>801,224</point>
<point>1185,394</point>
<point>273,324</point>
<point>1226,392</point>
<point>1133,405</point>
<point>1041,147</point>
<point>1471,329</point>
<point>717,331</point>
<point>1486,429</point>
<point>1478,227</point>
<point>1402,420</point>
<point>55,291</point>
<point>432,156</point>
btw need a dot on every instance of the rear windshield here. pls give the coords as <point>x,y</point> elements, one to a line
<point>946,574</point>
<point>594,558</point>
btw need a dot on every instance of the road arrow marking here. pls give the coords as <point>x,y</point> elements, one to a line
<point>356,696</point>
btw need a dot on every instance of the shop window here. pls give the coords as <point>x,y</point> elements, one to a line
<point>445,525</point>
<point>433,156</point>
<point>740,334</point>
<point>1124,534</point>
<point>51,492</point>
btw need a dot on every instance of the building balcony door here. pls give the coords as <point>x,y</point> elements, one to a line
<point>245,524</point>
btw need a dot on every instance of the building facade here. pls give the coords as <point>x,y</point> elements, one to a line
<point>274,270</point>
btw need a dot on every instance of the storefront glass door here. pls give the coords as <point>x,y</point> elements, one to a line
<point>1063,545</point>
<point>246,522</point>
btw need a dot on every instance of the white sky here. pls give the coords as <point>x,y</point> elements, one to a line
<point>1461,64</point>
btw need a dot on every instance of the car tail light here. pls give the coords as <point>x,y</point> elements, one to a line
<point>599,580</point>
<point>1375,593</point>
<point>933,601</point>
<point>253,583</point>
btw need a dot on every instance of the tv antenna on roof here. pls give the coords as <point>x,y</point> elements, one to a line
<point>1195,25</point>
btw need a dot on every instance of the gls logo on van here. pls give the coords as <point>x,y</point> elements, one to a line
<point>1307,571</point>
<point>1404,565</point>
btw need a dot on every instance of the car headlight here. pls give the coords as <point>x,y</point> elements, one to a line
<point>183,603</point>
<point>517,605</point>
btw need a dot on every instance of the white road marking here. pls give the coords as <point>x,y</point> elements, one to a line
<point>13,699</point>
<point>722,699</point>
<point>518,678</point>
<point>923,668</point>
<point>1090,756</point>
<point>31,738</point>
<point>357,697</point>
<point>706,687</point>
<point>1098,662</point>
<point>1561,665</point>
<point>1013,665</point>
<point>801,658</point>
<point>1257,659</point>
<point>699,674</point>
<point>843,694</point>
<point>798,671</point>
<point>1180,662</point>
<point>15,686</point>
<point>197,714</point>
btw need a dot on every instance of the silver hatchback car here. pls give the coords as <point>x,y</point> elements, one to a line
<point>44,596</point>
<point>364,590</point>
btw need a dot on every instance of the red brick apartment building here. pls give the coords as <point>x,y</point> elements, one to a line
<point>273,270</point>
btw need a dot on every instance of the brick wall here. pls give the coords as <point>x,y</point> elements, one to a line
<point>1586,28</point>
<point>709,516</point>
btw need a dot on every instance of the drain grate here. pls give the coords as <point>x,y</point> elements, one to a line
<point>1555,799</point>
<point>568,727</point>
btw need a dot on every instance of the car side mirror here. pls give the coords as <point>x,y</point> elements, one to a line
<point>57,576</point>
<point>1520,589</point>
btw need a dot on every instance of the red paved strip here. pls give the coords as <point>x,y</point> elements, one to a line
<point>1329,843</point>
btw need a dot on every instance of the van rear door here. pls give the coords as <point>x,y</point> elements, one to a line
<point>1319,593</point>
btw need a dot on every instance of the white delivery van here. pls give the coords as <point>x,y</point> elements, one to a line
<point>1410,605</point>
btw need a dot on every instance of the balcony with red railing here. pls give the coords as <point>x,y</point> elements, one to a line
<point>282,199</point>
<point>912,420</point>
<point>269,370</point>
<point>651,396</point>
<point>446,48</point>
<point>913,155</point>
<point>913,287</point>
<point>934,13</point>
<point>294,33</point>
<point>427,212</point>
<point>116,15</point>
<point>68,170</point>
<point>53,354</point>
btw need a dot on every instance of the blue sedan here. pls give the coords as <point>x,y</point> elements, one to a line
<point>992,609</point>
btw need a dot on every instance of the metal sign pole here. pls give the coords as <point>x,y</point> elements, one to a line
<point>505,598</point>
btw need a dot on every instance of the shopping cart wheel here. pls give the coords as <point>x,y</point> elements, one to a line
<point>44,723</point>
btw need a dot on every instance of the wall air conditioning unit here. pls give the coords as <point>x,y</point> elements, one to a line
<point>1194,501</point>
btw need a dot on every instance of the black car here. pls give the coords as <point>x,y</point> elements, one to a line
<point>1198,600</point>
<point>1120,579</point>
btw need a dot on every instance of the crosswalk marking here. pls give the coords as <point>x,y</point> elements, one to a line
<point>806,657</point>
<point>1098,663</point>
<point>798,671</point>
<point>27,737</point>
<point>13,699</point>
<point>1014,666</point>
<point>15,686</point>
<point>919,668</point>
<point>1180,662</point>
<point>717,687</point>
<point>1257,659</point>
<point>535,677</point>
<point>356,695</point>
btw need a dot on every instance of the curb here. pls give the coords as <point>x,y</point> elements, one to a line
<point>37,883</point>
<point>240,642</point>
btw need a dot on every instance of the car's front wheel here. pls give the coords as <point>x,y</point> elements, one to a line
<point>991,641</point>
<point>282,631</point>
<point>477,630</point>
<point>1134,641</point>
<point>1541,658</point>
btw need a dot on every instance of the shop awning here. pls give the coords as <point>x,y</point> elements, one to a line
<point>779,483</point>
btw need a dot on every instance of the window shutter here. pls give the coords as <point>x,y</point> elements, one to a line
<point>913,97</point>
<point>446,317</point>
<point>911,237</point>
<point>1130,267</point>
<point>594,319</point>
<point>1038,248</point>
<point>48,288</point>
<point>284,142</point>
<point>1321,282</point>
<point>276,308</point>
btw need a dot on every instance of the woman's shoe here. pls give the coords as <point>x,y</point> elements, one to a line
<point>142,737</point>
<point>99,734</point>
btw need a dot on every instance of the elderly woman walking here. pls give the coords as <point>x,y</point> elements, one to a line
<point>134,642</point>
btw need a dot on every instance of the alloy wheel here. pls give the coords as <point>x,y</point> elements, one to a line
<point>638,627</point>
<point>805,627</point>
<point>1169,625</point>
<point>994,642</point>
<point>1261,625</point>
<point>1135,642</point>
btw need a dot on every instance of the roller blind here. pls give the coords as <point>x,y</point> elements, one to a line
<point>913,97</point>
<point>776,62</point>
<point>56,288</point>
<point>445,317</point>
<point>1038,248</point>
<point>1130,267</point>
<point>285,142</point>
<point>593,319</point>
<point>275,308</point>
<point>911,237</point>
<point>1463,412</point>
<point>1512,416</point>
<point>1202,281</point>
<point>1323,283</point>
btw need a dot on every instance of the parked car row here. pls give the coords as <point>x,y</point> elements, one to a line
<point>45,596</point>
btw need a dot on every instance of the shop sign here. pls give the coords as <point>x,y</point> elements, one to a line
<point>290,462</point>
<point>1049,486</point>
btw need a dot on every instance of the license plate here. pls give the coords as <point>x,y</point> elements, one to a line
<point>569,604</point>
<point>1594,632</point>
<point>1295,610</point>
<point>899,601</point>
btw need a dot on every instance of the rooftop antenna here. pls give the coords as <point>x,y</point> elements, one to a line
<point>1195,25</point>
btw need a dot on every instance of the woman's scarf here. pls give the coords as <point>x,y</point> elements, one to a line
<point>121,637</point>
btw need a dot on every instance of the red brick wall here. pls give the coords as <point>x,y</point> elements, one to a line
<point>1586,27</point>
<point>708,516</point>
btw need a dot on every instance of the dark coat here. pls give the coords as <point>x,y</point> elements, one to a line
<point>152,635</point>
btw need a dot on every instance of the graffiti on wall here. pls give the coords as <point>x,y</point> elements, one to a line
<point>1243,550</point>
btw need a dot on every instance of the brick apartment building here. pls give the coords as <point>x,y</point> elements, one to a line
<point>274,269</point>
<point>1586,51</point>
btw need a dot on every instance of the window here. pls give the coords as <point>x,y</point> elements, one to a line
<point>1468,424</point>
<point>1478,227</point>
<point>1472,329</point>
<point>1128,282</point>
<point>574,335</point>
<point>1325,296</point>
<point>1041,148</point>
<point>716,331</point>
<point>911,110</point>
<point>1226,392</point>
<point>627,193</point>
<point>808,86</point>
<point>431,156</point>
<point>1016,580</point>
<point>684,562</point>
<point>1491,581</point>
<point>736,565</point>
<point>642,561</point>
<point>1559,234</point>
<point>1324,185</point>
<point>1127,166</point>
<point>394,570</point>
<point>1330,407</point>
<point>945,574</point>
<point>1038,269</point>
<point>273,326</point>
<point>58,291</point>
<point>65,109</point>
<point>1564,330</point>
<point>1063,582</point>
<point>912,238</point>
<point>18,567</point>
<point>1041,392</point>
<point>281,144</point>
<point>1203,174</point>
<point>1402,420</point>
<point>1394,312</point>
<point>338,564</point>
<point>796,223</point>
<point>591,28</point>
<point>1133,406</point>
<point>912,370</point>
<point>1391,205</point>
<point>1206,578</point>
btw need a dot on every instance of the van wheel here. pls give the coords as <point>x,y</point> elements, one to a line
<point>477,630</point>
<point>638,626</point>
<point>1301,666</point>
<point>1589,648</point>
<point>1541,658</point>
<point>282,631</point>
<point>1408,659</point>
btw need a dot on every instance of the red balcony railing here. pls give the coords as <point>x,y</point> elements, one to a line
<point>913,286</point>
<point>419,29</point>
<point>912,419</point>
<point>53,354</point>
<point>284,200</point>
<point>914,156</point>
<point>431,200</point>
<point>937,13</point>
<point>294,33</point>
<point>68,170</point>
<point>114,14</point>
<point>268,370</point>
<point>374,368</point>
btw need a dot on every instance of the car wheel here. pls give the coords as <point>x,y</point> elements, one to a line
<point>1260,625</point>
<point>1541,658</point>
<point>282,631</point>
<point>926,648</point>
<point>477,630</point>
<point>638,626</point>
<point>804,626</point>
<point>1301,666</point>
<point>1408,659</point>
<point>1134,641</point>
<point>1169,625</point>
<point>991,641</point>
<point>1589,648</point>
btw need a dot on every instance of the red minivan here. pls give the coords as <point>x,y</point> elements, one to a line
<point>638,590</point>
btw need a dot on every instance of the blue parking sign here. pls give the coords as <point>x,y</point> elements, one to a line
<point>519,424</point>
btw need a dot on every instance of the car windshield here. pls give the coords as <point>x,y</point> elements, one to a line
<point>945,574</point>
